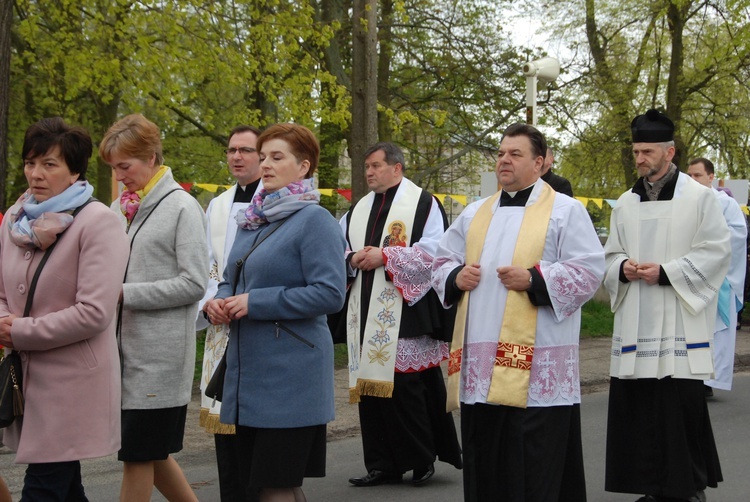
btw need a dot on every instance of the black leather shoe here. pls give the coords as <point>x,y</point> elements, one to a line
<point>421,476</point>
<point>375,478</point>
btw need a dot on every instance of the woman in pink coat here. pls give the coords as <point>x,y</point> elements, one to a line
<point>71,370</point>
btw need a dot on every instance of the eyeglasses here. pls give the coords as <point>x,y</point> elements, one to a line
<point>243,151</point>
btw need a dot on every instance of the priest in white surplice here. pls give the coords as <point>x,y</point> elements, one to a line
<point>667,254</point>
<point>520,264</point>
<point>244,166</point>
<point>732,289</point>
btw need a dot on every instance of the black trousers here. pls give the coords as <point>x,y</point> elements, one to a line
<point>522,455</point>
<point>53,482</point>
<point>659,438</point>
<point>411,429</point>
<point>231,486</point>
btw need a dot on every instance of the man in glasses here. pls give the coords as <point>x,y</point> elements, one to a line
<point>244,166</point>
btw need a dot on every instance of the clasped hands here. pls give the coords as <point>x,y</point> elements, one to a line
<point>513,278</point>
<point>225,310</point>
<point>648,272</point>
<point>367,258</point>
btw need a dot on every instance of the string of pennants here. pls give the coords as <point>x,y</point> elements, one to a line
<point>461,199</point>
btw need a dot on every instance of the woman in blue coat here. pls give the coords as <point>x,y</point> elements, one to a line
<point>278,389</point>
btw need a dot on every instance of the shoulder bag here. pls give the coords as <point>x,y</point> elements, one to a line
<point>215,386</point>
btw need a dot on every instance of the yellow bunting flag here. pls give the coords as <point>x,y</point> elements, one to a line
<point>461,199</point>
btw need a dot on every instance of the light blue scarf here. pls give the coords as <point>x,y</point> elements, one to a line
<point>37,224</point>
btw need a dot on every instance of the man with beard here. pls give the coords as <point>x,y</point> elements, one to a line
<point>667,254</point>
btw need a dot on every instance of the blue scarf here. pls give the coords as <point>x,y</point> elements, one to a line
<point>37,224</point>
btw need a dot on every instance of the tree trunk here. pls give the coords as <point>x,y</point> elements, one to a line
<point>106,115</point>
<point>6,20</point>
<point>385,34</point>
<point>364,130</point>
<point>676,17</point>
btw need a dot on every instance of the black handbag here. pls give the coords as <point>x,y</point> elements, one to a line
<point>11,376</point>
<point>215,386</point>
<point>11,383</point>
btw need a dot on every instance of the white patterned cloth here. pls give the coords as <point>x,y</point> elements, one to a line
<point>572,266</point>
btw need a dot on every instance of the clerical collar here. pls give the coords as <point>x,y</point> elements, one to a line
<point>246,193</point>
<point>390,193</point>
<point>519,198</point>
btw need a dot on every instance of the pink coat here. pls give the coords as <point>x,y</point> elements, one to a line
<point>71,366</point>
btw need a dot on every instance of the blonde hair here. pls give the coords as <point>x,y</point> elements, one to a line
<point>132,136</point>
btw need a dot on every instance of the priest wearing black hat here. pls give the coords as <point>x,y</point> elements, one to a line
<point>667,254</point>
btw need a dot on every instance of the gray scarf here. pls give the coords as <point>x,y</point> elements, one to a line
<point>653,189</point>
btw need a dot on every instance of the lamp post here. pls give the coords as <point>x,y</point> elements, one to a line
<point>546,69</point>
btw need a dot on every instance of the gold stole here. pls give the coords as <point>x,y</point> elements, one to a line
<point>372,364</point>
<point>512,368</point>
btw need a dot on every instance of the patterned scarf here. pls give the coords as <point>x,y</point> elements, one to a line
<point>653,189</point>
<point>37,224</point>
<point>268,207</point>
<point>131,201</point>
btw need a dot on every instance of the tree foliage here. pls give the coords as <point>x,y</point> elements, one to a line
<point>686,57</point>
<point>195,67</point>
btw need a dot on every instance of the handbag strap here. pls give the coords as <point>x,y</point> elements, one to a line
<point>145,218</point>
<point>127,266</point>
<point>35,279</point>
<point>241,262</point>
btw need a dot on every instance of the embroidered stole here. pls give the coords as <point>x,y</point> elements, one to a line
<point>372,363</point>
<point>511,371</point>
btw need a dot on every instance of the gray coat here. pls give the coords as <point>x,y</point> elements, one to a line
<point>166,277</point>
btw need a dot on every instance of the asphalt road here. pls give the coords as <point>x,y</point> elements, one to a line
<point>729,415</point>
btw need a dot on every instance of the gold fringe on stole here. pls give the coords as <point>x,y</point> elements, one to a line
<point>374,388</point>
<point>210,422</point>
<point>474,244</point>
<point>510,374</point>
<point>353,396</point>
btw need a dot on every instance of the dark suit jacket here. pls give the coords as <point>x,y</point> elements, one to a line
<point>558,183</point>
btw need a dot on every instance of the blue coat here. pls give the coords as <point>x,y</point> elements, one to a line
<point>280,357</point>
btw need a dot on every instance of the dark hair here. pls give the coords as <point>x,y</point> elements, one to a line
<point>536,138</point>
<point>707,164</point>
<point>243,128</point>
<point>74,143</point>
<point>393,154</point>
<point>302,142</point>
<point>132,136</point>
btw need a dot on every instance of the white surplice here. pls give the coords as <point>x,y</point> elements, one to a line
<point>689,238</point>
<point>725,330</point>
<point>572,266</point>
<point>221,231</point>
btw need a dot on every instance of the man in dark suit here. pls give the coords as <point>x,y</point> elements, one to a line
<point>558,183</point>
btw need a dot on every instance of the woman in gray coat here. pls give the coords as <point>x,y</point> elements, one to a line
<point>165,278</point>
<point>278,389</point>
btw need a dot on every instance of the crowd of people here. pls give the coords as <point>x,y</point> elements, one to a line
<point>276,281</point>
